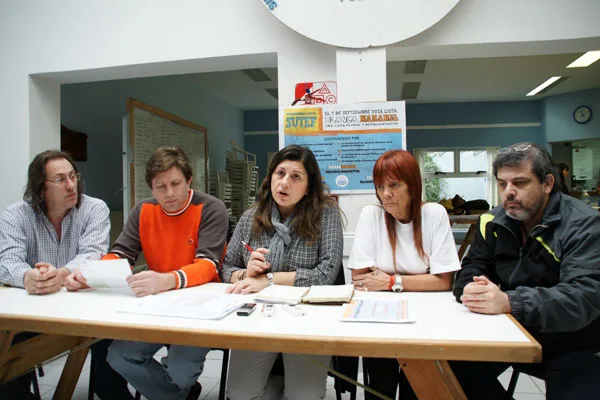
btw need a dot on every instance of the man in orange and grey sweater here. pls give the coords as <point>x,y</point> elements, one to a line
<point>182,234</point>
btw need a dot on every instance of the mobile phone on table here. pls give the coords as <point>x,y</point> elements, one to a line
<point>246,309</point>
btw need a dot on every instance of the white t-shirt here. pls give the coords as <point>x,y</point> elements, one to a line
<point>372,244</point>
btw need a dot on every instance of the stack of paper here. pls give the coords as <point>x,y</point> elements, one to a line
<point>391,311</point>
<point>185,303</point>
<point>329,294</point>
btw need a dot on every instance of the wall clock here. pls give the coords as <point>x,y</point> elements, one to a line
<point>582,114</point>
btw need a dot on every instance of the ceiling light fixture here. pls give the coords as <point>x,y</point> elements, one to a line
<point>585,60</point>
<point>543,86</point>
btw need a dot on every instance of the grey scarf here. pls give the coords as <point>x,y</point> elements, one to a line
<point>280,240</point>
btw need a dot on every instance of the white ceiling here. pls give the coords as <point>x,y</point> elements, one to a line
<point>448,80</point>
<point>492,79</point>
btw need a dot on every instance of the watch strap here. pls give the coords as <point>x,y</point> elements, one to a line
<point>242,275</point>
<point>398,286</point>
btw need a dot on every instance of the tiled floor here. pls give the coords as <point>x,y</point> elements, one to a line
<point>528,388</point>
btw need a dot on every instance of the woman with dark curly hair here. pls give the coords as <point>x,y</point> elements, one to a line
<point>295,230</point>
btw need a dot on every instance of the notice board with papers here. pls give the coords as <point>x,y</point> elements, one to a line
<point>148,128</point>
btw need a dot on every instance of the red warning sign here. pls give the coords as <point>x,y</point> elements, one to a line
<point>315,93</point>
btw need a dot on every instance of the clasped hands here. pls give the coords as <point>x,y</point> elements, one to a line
<point>371,281</point>
<point>45,278</point>
<point>256,268</point>
<point>485,297</point>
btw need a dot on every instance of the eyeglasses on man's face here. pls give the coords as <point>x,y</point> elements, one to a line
<point>521,147</point>
<point>62,180</point>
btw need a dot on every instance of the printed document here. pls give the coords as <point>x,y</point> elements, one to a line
<point>106,273</point>
<point>186,303</point>
<point>371,310</point>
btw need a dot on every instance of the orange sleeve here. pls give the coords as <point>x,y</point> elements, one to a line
<point>201,271</point>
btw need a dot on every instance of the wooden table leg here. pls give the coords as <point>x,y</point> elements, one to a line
<point>71,371</point>
<point>432,379</point>
<point>6,338</point>
<point>20,358</point>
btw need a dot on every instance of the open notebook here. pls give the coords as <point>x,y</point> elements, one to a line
<point>330,294</point>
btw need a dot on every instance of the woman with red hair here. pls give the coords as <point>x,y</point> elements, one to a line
<point>401,244</point>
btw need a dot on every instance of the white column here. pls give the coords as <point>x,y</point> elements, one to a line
<point>14,136</point>
<point>361,76</point>
<point>44,115</point>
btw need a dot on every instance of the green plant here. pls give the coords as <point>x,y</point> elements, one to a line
<point>435,188</point>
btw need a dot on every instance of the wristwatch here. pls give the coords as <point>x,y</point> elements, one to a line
<point>270,278</point>
<point>242,274</point>
<point>397,286</point>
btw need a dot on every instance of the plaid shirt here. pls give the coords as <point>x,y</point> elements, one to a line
<point>314,264</point>
<point>27,238</point>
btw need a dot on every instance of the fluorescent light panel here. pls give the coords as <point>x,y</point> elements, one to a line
<point>543,86</point>
<point>585,60</point>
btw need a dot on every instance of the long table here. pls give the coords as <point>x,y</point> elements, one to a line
<point>444,330</point>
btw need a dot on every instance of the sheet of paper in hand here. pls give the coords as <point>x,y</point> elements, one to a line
<point>106,273</point>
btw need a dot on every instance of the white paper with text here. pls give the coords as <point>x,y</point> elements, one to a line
<point>375,310</point>
<point>186,304</point>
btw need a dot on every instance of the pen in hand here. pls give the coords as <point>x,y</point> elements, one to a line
<point>247,247</point>
<point>263,252</point>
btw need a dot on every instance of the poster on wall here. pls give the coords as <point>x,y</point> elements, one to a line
<point>347,139</point>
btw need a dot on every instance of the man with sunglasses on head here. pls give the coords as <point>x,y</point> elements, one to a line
<point>48,234</point>
<point>537,257</point>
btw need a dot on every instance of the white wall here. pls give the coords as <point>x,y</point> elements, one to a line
<point>76,41</point>
<point>97,108</point>
<point>71,41</point>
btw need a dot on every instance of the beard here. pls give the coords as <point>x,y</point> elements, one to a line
<point>521,211</point>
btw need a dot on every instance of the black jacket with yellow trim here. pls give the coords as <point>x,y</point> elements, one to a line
<point>552,280</point>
